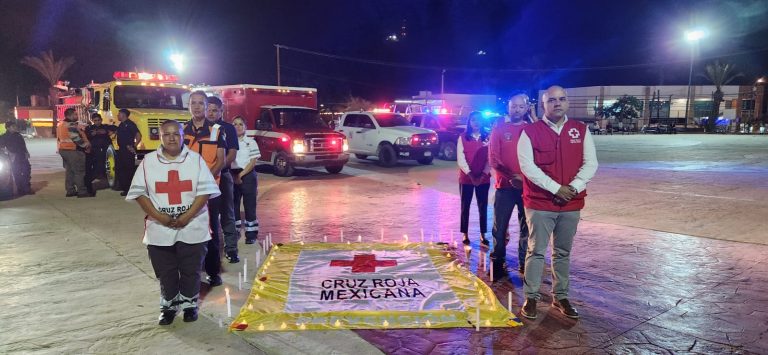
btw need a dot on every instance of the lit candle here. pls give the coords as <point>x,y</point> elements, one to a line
<point>405,237</point>
<point>302,326</point>
<point>487,322</point>
<point>245,269</point>
<point>325,239</point>
<point>385,323</point>
<point>239,281</point>
<point>477,318</point>
<point>359,238</point>
<point>283,325</point>
<point>427,323</point>
<point>422,235</point>
<point>261,326</point>
<point>509,301</point>
<point>342,236</point>
<point>337,323</point>
<point>491,270</point>
<point>229,302</point>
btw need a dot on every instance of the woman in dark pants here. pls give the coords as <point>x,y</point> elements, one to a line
<point>246,184</point>
<point>474,174</point>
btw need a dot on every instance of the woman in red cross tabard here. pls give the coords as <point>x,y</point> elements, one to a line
<point>474,174</point>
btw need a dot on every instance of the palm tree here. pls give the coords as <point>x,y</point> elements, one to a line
<point>52,70</point>
<point>719,74</point>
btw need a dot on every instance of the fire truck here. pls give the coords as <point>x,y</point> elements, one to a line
<point>286,125</point>
<point>152,98</point>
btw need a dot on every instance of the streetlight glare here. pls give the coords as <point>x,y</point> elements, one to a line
<point>694,35</point>
<point>178,62</point>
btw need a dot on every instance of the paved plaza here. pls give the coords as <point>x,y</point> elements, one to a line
<point>671,257</point>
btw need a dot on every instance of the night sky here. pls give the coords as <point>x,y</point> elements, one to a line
<point>528,44</point>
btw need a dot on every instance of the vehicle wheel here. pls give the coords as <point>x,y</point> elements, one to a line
<point>6,187</point>
<point>387,155</point>
<point>361,156</point>
<point>448,151</point>
<point>283,166</point>
<point>425,161</point>
<point>334,169</point>
<point>110,168</point>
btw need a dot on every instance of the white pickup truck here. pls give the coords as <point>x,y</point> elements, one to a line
<point>389,136</point>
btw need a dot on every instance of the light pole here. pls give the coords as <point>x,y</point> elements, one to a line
<point>693,38</point>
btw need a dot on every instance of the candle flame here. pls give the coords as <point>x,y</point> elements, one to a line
<point>337,323</point>
<point>386,324</point>
<point>283,326</point>
<point>261,326</point>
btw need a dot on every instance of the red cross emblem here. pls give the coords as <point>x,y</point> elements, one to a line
<point>173,187</point>
<point>364,263</point>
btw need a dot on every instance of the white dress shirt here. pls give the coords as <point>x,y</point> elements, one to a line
<point>538,177</point>
<point>249,149</point>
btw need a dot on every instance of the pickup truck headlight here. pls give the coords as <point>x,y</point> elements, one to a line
<point>344,145</point>
<point>403,141</point>
<point>298,146</point>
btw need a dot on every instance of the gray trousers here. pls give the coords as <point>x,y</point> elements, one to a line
<point>561,226</point>
<point>74,166</point>
<point>177,267</point>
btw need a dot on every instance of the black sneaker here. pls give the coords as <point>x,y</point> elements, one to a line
<point>250,241</point>
<point>565,308</point>
<point>71,194</point>
<point>166,317</point>
<point>214,281</point>
<point>466,241</point>
<point>190,314</point>
<point>123,193</point>
<point>529,309</point>
<point>484,242</point>
<point>233,258</point>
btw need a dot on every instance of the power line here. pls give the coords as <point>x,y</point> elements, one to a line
<point>504,70</point>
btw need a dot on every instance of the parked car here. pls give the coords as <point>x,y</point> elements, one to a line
<point>448,128</point>
<point>389,136</point>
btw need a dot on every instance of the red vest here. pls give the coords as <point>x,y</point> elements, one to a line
<point>476,154</point>
<point>503,148</point>
<point>560,157</point>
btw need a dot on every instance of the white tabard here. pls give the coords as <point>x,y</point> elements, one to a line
<point>172,186</point>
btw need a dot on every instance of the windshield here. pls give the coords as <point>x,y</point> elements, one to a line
<point>149,97</point>
<point>391,120</point>
<point>298,118</point>
<point>450,121</point>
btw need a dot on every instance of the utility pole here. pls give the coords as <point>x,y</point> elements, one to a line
<point>442,84</point>
<point>277,47</point>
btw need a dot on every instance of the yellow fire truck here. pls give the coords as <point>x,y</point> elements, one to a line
<point>150,97</point>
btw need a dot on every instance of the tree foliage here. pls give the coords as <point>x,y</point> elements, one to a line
<point>625,109</point>
<point>719,74</point>
<point>50,68</point>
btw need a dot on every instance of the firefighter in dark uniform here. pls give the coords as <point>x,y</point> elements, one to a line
<point>17,149</point>
<point>128,138</point>
<point>207,139</point>
<point>213,114</point>
<point>95,161</point>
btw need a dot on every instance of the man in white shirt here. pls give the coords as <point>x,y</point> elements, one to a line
<point>172,186</point>
<point>557,157</point>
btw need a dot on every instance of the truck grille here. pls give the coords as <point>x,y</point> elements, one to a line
<point>325,145</point>
<point>156,122</point>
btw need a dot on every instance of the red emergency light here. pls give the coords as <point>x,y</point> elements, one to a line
<point>158,77</point>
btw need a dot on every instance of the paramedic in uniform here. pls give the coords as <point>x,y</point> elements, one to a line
<point>172,186</point>
<point>213,114</point>
<point>557,157</point>
<point>205,138</point>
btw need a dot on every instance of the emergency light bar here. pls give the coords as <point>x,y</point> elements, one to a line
<point>160,77</point>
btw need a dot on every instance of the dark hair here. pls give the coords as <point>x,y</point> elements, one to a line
<point>125,112</point>
<point>11,123</point>
<point>69,111</point>
<point>238,117</point>
<point>468,132</point>
<point>95,116</point>
<point>200,93</point>
<point>213,100</point>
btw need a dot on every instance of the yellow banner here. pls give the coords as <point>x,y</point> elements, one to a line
<point>367,286</point>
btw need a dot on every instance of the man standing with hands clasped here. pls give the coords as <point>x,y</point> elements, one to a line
<point>557,157</point>
<point>172,186</point>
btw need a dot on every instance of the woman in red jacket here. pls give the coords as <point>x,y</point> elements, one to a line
<point>474,174</point>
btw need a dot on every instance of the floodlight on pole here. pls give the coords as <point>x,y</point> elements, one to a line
<point>178,61</point>
<point>693,37</point>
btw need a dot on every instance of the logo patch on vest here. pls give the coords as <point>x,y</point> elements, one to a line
<point>575,135</point>
<point>508,136</point>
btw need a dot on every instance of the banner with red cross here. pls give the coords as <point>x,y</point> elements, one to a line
<point>367,286</point>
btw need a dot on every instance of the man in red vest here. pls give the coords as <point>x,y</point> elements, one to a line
<point>509,183</point>
<point>557,157</point>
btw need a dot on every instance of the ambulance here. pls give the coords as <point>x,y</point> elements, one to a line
<point>152,98</point>
<point>286,125</point>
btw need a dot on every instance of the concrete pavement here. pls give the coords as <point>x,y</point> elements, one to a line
<point>651,270</point>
